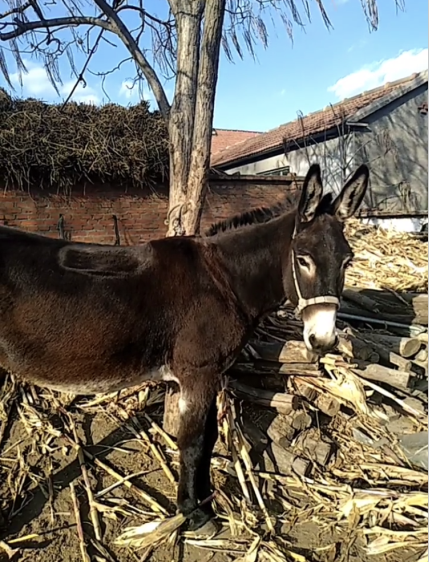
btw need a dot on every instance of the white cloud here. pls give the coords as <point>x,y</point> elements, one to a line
<point>128,89</point>
<point>133,90</point>
<point>82,93</point>
<point>378,73</point>
<point>36,83</point>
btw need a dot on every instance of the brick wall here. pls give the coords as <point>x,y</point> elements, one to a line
<point>88,214</point>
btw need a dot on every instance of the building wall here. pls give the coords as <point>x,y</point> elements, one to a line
<point>333,155</point>
<point>395,146</point>
<point>396,149</point>
<point>88,215</point>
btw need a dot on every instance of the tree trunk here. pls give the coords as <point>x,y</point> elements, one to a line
<point>182,113</point>
<point>190,128</point>
<point>191,116</point>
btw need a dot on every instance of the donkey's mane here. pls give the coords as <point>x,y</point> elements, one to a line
<point>254,216</point>
<point>264,214</point>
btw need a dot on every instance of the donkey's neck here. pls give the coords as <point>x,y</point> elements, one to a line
<point>254,256</point>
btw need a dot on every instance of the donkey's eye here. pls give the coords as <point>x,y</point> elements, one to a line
<point>303,262</point>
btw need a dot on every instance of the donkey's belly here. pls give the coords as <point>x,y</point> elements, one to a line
<point>82,377</point>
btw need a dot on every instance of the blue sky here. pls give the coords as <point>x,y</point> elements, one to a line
<point>320,67</point>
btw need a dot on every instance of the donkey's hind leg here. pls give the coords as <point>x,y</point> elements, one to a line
<point>204,484</point>
<point>195,411</point>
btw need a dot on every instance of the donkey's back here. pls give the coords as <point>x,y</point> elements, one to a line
<point>90,318</point>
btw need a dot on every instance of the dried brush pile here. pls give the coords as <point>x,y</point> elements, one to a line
<point>58,147</point>
<point>385,259</point>
<point>339,444</point>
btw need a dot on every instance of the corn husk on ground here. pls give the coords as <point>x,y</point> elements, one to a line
<point>338,461</point>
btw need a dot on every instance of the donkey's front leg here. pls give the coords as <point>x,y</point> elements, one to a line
<point>194,406</point>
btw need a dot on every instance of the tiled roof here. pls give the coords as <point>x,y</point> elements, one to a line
<point>225,138</point>
<point>309,125</point>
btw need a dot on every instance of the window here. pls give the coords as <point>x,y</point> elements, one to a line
<point>285,171</point>
<point>423,109</point>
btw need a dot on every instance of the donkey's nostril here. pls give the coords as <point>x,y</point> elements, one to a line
<point>323,345</point>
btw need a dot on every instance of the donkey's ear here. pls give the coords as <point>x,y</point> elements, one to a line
<point>311,194</point>
<point>352,194</point>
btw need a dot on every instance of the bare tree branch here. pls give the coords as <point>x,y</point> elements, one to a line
<point>149,73</point>
<point>115,25</point>
<point>80,78</point>
<point>22,27</point>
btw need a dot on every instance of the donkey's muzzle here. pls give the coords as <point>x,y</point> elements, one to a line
<point>320,333</point>
<point>323,346</point>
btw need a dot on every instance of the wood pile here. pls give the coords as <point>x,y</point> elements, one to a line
<point>374,351</point>
<point>387,260</point>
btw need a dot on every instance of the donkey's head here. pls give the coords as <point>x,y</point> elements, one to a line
<point>320,253</point>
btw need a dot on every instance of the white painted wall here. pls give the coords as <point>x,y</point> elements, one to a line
<point>397,225</point>
<point>329,154</point>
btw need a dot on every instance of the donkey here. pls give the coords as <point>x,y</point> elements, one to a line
<point>86,318</point>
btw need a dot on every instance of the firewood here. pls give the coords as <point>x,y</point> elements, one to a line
<point>273,456</point>
<point>379,373</point>
<point>423,337</point>
<point>274,381</point>
<point>403,329</point>
<point>268,381</point>
<point>389,357</point>
<point>363,301</point>
<point>388,298</point>
<point>283,403</point>
<point>281,431</point>
<point>287,463</point>
<point>420,367</point>
<point>301,420</point>
<point>354,347</point>
<point>289,352</point>
<point>327,404</point>
<point>291,368</point>
<point>419,304</point>
<point>406,347</point>
<point>305,390</point>
<point>413,316</point>
<point>366,349</point>
<point>410,304</point>
<point>422,356</point>
<point>314,447</point>
<point>257,439</point>
<point>263,367</point>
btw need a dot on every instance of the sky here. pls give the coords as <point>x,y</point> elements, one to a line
<point>320,67</point>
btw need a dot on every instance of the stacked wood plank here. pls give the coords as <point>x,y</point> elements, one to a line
<point>383,341</point>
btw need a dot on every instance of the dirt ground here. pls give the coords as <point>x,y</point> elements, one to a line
<point>36,503</point>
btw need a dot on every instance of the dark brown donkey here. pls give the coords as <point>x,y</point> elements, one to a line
<point>87,319</point>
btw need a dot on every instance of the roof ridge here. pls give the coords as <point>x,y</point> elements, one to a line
<point>237,130</point>
<point>365,93</point>
<point>225,148</point>
<point>316,122</point>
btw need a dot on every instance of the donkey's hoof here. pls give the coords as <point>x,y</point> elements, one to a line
<point>207,530</point>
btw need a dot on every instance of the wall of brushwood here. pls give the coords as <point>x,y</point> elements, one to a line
<point>100,174</point>
<point>50,146</point>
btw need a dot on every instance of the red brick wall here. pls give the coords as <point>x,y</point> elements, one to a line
<point>88,214</point>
